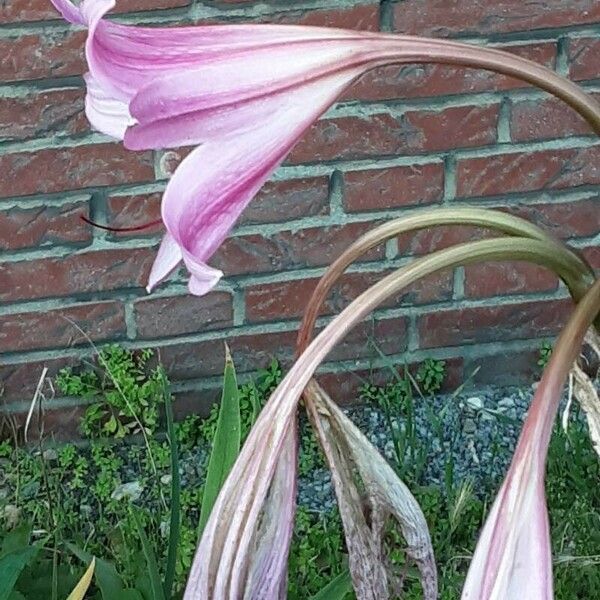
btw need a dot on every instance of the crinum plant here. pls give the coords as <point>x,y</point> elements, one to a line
<point>243,95</point>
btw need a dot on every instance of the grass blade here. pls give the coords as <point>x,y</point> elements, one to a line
<point>175,522</point>
<point>226,443</point>
<point>153,574</point>
<point>336,589</point>
<point>84,583</point>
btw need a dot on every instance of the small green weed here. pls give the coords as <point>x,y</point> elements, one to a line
<point>127,392</point>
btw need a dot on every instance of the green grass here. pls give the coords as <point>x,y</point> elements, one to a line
<point>70,494</point>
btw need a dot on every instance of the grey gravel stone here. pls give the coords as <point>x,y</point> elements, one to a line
<point>132,490</point>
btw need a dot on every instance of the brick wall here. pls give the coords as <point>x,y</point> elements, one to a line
<point>401,138</point>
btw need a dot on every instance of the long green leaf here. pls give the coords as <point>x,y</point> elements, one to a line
<point>107,579</point>
<point>16,539</point>
<point>11,566</point>
<point>336,589</point>
<point>175,521</point>
<point>226,443</point>
<point>151,564</point>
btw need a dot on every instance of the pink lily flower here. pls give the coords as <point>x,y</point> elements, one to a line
<point>244,94</point>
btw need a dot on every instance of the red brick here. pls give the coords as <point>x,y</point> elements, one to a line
<point>43,225</point>
<point>440,18</point>
<point>42,55</point>
<point>281,201</point>
<point>578,218</point>
<point>429,240</point>
<point>592,255</point>
<point>314,247</point>
<point>389,336</point>
<point>393,187</point>
<point>196,360</point>
<point>19,380</point>
<point>528,171</point>
<point>382,134</point>
<point>423,80</point>
<point>289,299</point>
<point>51,329</point>
<point>179,315</point>
<point>133,211</point>
<point>364,16</point>
<point>497,278</point>
<point>59,425</point>
<point>20,11</point>
<point>45,113</point>
<point>505,368</point>
<point>545,119</point>
<point>84,273</point>
<point>492,323</point>
<point>583,58</point>
<point>60,169</point>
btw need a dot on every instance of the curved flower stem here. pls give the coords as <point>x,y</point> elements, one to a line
<point>513,557</point>
<point>225,556</point>
<point>428,50</point>
<point>579,281</point>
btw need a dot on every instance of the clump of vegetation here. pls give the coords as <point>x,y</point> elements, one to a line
<point>70,502</point>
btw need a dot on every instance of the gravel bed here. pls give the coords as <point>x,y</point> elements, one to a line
<point>476,432</point>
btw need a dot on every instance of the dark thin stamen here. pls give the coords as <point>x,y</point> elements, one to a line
<point>121,229</point>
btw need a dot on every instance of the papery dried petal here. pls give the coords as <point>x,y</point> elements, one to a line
<point>348,450</point>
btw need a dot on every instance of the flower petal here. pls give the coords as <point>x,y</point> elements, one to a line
<point>233,76</point>
<point>105,112</point>
<point>213,184</point>
<point>168,258</point>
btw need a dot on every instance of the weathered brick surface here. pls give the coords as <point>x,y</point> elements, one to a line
<point>418,81</point>
<point>178,315</point>
<point>384,134</point>
<point>545,119</point>
<point>43,113</point>
<point>583,58</point>
<point>528,171</point>
<point>44,226</point>
<point>480,17</point>
<point>492,323</point>
<point>88,272</point>
<point>286,250</point>
<point>60,169</point>
<point>287,299</point>
<point>405,137</point>
<point>395,187</point>
<point>55,329</point>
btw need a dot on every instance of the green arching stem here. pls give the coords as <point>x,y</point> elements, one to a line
<point>582,275</point>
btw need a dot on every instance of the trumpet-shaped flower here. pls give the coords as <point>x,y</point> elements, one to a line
<point>244,95</point>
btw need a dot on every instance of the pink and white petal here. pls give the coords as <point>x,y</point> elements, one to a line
<point>124,58</point>
<point>203,278</point>
<point>213,184</point>
<point>168,258</point>
<point>275,118</point>
<point>232,77</point>
<point>106,113</point>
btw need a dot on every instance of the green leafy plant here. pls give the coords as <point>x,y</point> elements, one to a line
<point>544,354</point>
<point>431,375</point>
<point>126,393</point>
